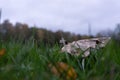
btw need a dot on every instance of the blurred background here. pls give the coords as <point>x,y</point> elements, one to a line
<point>49,20</point>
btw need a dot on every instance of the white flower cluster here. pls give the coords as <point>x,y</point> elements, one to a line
<point>84,45</point>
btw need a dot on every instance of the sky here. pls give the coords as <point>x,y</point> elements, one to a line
<point>67,15</point>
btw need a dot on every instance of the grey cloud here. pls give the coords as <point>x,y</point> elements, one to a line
<point>69,15</point>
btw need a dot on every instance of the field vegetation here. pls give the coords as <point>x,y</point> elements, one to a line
<point>28,61</point>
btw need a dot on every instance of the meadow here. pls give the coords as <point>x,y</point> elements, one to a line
<point>28,61</point>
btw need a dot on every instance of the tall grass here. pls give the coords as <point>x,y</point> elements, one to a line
<point>30,62</point>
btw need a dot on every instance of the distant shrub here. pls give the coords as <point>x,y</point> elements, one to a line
<point>116,34</point>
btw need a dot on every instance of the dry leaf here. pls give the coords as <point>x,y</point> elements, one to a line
<point>62,68</point>
<point>2,52</point>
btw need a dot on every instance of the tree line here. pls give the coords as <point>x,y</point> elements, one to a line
<point>23,32</point>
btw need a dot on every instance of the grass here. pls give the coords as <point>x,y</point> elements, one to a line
<point>29,62</point>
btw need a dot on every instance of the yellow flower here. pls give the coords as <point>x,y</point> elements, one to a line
<point>2,52</point>
<point>61,69</point>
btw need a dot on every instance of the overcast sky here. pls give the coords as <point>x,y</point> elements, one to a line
<point>67,15</point>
